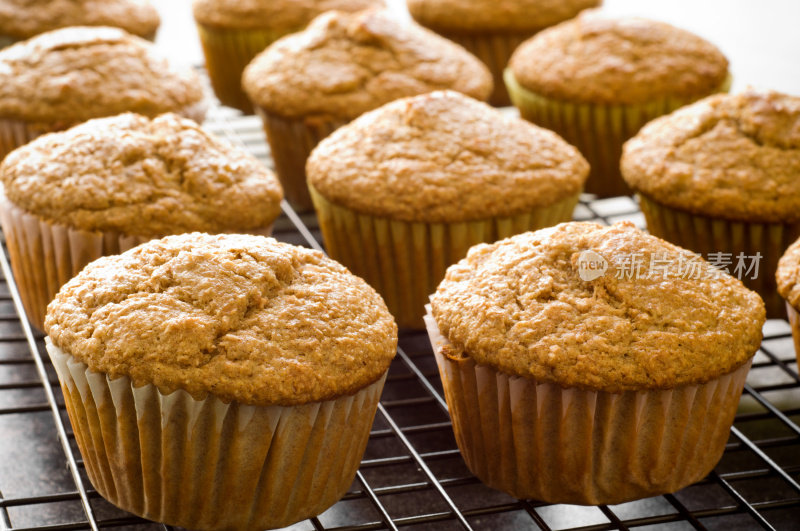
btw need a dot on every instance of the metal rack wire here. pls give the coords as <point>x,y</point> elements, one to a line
<point>412,474</point>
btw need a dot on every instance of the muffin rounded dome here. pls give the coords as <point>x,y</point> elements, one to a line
<point>345,64</point>
<point>595,59</point>
<point>788,275</point>
<point>444,157</point>
<point>733,156</point>
<point>73,74</point>
<point>141,176</point>
<point>245,318</point>
<point>526,307</point>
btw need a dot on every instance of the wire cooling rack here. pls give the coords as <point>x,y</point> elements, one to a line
<point>412,474</point>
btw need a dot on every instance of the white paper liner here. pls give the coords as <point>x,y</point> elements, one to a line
<point>205,464</point>
<point>566,445</point>
<point>45,255</point>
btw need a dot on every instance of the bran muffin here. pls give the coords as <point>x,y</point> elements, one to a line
<point>66,76</point>
<point>492,29</point>
<point>596,81</point>
<point>307,84</point>
<point>788,280</point>
<point>111,183</point>
<point>232,32</point>
<point>591,385</point>
<point>220,382</point>
<point>405,190</point>
<point>721,176</point>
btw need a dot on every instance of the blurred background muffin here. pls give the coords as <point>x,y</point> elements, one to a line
<point>111,183</point>
<point>232,32</point>
<point>720,177</point>
<point>307,84</point>
<point>596,80</point>
<point>66,76</point>
<point>492,29</point>
<point>405,190</point>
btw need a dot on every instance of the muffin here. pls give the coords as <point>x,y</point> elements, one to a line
<point>720,177</point>
<point>585,364</point>
<point>596,81</point>
<point>404,191</point>
<point>220,382</point>
<point>232,32</point>
<point>22,19</point>
<point>306,85</point>
<point>787,277</point>
<point>63,77</point>
<point>493,29</point>
<point>111,183</point>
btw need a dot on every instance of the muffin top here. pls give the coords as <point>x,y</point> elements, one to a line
<point>22,19</point>
<point>345,64</point>
<point>522,306</point>
<point>495,15</point>
<point>279,15</point>
<point>444,157</point>
<point>788,275</point>
<point>245,318</point>
<point>138,176</point>
<point>70,75</point>
<point>593,59</point>
<point>729,156</point>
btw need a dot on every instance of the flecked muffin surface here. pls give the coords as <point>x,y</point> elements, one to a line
<point>595,59</point>
<point>520,306</point>
<point>25,18</point>
<point>729,156</point>
<point>274,14</point>
<point>138,176</point>
<point>245,318</point>
<point>86,72</point>
<point>495,15</point>
<point>345,64</point>
<point>444,157</point>
<point>788,275</point>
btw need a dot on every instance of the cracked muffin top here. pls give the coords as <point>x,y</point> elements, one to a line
<point>649,321</point>
<point>22,19</point>
<point>245,318</point>
<point>345,64</point>
<point>495,15</point>
<point>728,156</point>
<point>788,275</point>
<point>595,59</point>
<point>444,157</point>
<point>280,15</point>
<point>141,176</point>
<point>73,74</point>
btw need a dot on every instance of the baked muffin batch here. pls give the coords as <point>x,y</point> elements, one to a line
<point>219,379</point>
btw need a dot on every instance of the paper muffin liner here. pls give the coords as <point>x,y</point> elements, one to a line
<point>706,235</point>
<point>45,255</point>
<point>227,52</point>
<point>291,141</point>
<point>207,464</point>
<point>794,321</point>
<point>405,261</point>
<point>567,445</point>
<point>597,130</point>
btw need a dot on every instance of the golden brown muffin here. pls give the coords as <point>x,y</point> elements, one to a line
<point>727,166</point>
<point>111,183</point>
<point>591,365</point>
<point>403,191</point>
<point>614,74</point>
<point>206,377</point>
<point>788,280</point>
<point>22,19</point>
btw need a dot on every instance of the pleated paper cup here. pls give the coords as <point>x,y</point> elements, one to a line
<point>566,445</point>
<point>405,261</point>
<point>207,464</point>
<point>44,255</point>
<point>706,235</point>
<point>227,52</point>
<point>597,130</point>
<point>291,141</point>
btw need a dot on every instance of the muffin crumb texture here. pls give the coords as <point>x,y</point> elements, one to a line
<point>788,275</point>
<point>521,306</point>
